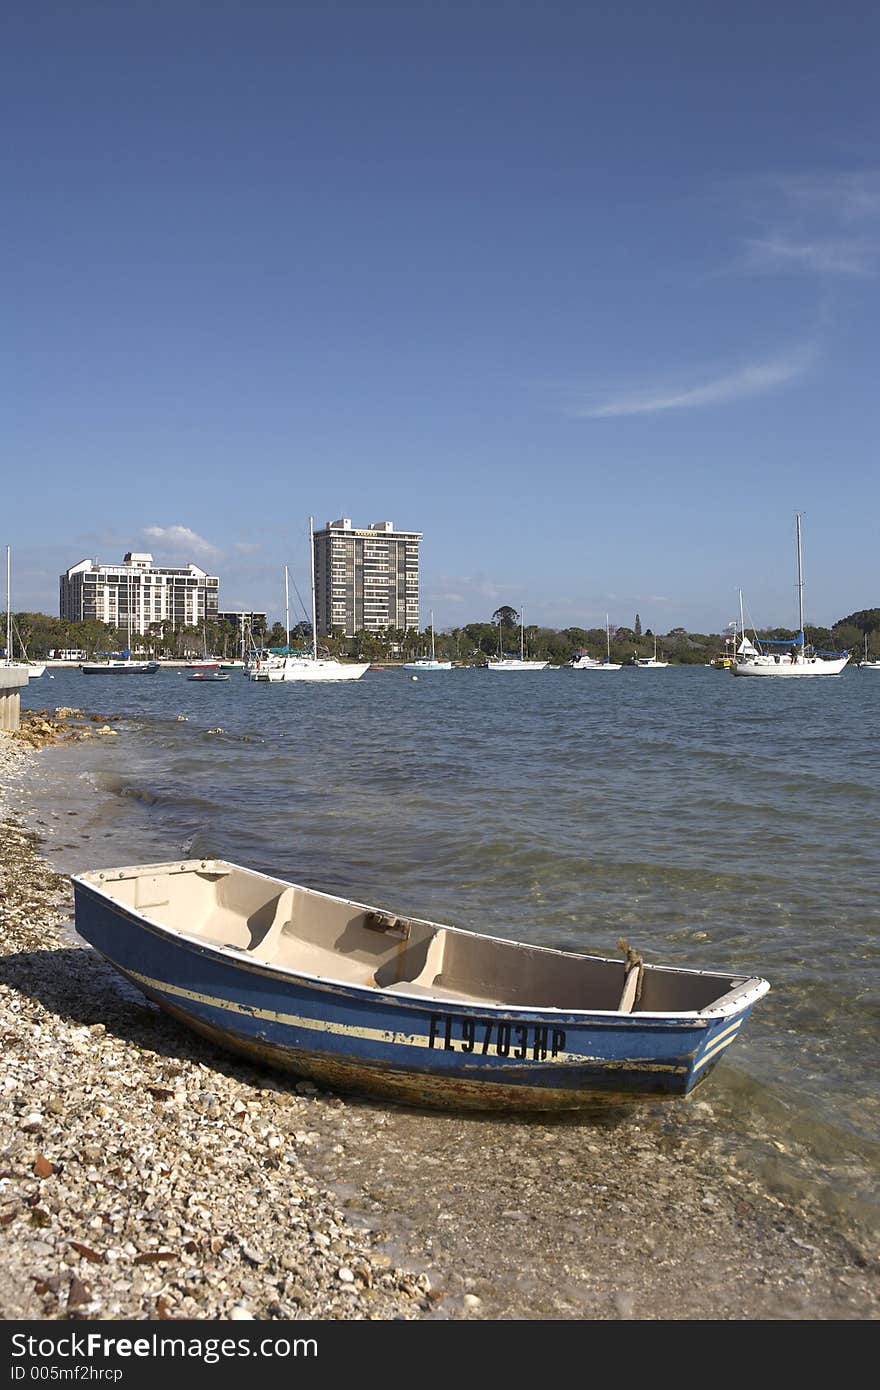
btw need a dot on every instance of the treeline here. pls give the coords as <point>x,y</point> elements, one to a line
<point>38,634</point>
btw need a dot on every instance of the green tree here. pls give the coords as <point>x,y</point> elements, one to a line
<point>637,629</point>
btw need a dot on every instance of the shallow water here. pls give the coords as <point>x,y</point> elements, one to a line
<point>713,822</point>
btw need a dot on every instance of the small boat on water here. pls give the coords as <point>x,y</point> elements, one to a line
<point>208,673</point>
<point>515,663</point>
<point>121,665</point>
<point>366,1000</point>
<point>650,663</point>
<point>32,669</point>
<point>582,661</point>
<point>286,665</point>
<point>428,663</point>
<point>867,662</point>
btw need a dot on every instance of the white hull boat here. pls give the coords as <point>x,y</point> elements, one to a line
<point>520,663</point>
<point>651,663</point>
<point>292,666</point>
<point>589,663</point>
<point>868,663</point>
<point>791,660</point>
<point>516,665</point>
<point>428,663</point>
<point>305,668</point>
<point>789,667</point>
<point>32,669</point>
<point>121,667</point>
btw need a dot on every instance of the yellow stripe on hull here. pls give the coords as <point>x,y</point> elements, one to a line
<point>158,988</point>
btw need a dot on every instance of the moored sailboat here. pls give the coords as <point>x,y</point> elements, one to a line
<point>428,663</point>
<point>303,666</point>
<point>788,657</point>
<point>585,662</point>
<point>512,663</point>
<point>31,669</point>
<point>868,663</point>
<point>650,663</point>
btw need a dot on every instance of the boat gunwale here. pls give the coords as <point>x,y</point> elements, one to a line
<point>743,996</point>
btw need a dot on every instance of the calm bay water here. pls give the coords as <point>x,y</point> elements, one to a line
<point>713,822</point>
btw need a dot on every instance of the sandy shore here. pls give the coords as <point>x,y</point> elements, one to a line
<point>144,1175</point>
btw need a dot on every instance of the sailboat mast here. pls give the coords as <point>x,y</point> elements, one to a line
<point>432,634</point>
<point>286,606</point>
<point>8,606</point>
<point>800,560</point>
<point>314,609</point>
<point>607,637</point>
<point>742,621</point>
<point>522,635</point>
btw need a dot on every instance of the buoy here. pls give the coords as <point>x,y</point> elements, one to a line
<point>413,678</point>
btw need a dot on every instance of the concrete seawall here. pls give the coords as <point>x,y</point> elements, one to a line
<point>11,681</point>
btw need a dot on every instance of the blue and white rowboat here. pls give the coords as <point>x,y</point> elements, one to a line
<point>361,999</point>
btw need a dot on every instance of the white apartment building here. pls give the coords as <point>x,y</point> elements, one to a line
<point>137,593</point>
<point>366,580</point>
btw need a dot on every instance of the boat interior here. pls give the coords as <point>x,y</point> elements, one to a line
<point>299,929</point>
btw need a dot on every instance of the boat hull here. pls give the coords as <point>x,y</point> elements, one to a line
<point>306,670</point>
<point>430,1051</point>
<point>783,669</point>
<point>518,665</point>
<point>135,668</point>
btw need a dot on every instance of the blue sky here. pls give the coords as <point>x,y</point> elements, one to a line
<point>587,293</point>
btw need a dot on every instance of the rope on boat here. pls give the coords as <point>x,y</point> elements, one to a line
<point>632,961</point>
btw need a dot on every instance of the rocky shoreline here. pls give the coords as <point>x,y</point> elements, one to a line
<point>142,1175</point>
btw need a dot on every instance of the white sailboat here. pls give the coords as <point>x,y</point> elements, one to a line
<point>8,661</point>
<point>293,666</point>
<point>650,663</point>
<point>32,668</point>
<point>503,663</point>
<point>121,663</point>
<point>867,663</point>
<point>428,663</point>
<point>589,663</point>
<point>791,658</point>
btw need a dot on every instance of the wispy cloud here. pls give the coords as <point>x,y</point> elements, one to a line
<point>822,224</point>
<point>246,547</point>
<point>849,196</point>
<point>751,380</point>
<point>180,540</point>
<point>852,257</point>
